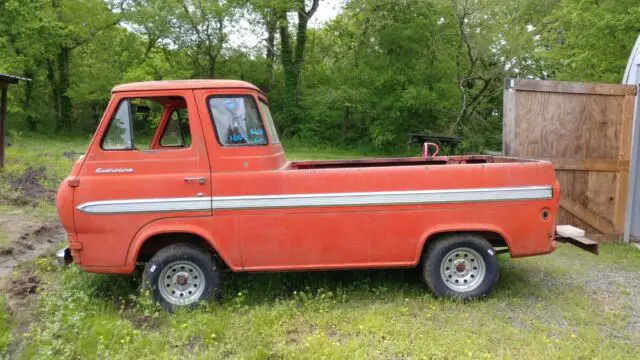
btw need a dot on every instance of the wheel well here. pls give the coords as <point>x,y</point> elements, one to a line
<point>156,242</point>
<point>495,239</point>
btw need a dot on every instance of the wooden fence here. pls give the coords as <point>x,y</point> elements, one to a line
<point>585,130</point>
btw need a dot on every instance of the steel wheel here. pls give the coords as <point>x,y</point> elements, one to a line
<point>462,269</point>
<point>181,282</point>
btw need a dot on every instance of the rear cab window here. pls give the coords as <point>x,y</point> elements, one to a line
<point>237,121</point>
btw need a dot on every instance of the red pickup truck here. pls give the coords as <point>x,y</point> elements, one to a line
<point>189,178</point>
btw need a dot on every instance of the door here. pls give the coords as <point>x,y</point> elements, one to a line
<point>147,161</point>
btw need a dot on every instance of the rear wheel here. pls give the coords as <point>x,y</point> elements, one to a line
<point>180,276</point>
<point>462,266</point>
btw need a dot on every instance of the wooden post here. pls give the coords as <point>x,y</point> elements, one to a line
<point>624,154</point>
<point>3,116</point>
<point>509,119</point>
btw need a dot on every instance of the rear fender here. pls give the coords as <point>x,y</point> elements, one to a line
<point>459,228</point>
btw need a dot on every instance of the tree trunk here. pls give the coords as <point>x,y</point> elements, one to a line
<point>55,90</point>
<point>288,100</point>
<point>64,84</point>
<point>345,121</point>
<point>272,25</point>
<point>31,122</point>
<point>292,63</point>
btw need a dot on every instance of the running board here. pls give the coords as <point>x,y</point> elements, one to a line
<point>574,236</point>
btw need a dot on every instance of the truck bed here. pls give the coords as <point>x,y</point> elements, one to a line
<point>404,161</point>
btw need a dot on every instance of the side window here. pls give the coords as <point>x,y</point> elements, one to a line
<point>176,133</point>
<point>270,125</point>
<point>119,136</point>
<point>237,121</point>
<point>146,114</point>
<point>136,123</point>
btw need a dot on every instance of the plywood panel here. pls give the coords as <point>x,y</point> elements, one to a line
<point>600,193</point>
<point>567,126</point>
<point>571,87</point>
<point>585,130</point>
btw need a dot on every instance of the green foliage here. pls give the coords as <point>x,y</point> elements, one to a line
<point>587,40</point>
<point>379,70</point>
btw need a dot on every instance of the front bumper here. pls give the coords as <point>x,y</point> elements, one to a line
<point>63,257</point>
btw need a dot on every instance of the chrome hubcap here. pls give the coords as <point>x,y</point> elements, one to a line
<point>181,282</point>
<point>462,269</point>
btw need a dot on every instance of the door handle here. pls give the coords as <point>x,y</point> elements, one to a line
<point>199,180</point>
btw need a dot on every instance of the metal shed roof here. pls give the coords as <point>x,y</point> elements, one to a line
<point>8,79</point>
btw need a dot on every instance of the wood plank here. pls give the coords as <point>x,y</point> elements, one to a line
<point>598,222</point>
<point>568,231</point>
<point>589,164</point>
<point>509,120</point>
<point>622,185</point>
<point>582,242</point>
<point>566,217</point>
<point>572,87</point>
<point>599,196</point>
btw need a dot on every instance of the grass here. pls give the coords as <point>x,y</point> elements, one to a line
<point>5,324</point>
<point>533,314</point>
<point>555,306</point>
<point>36,152</point>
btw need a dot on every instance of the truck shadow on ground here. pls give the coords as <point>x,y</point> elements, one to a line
<point>524,281</point>
<point>516,280</point>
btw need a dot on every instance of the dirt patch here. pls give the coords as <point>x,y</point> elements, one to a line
<point>71,155</point>
<point>27,239</point>
<point>21,286</point>
<point>20,289</point>
<point>29,185</point>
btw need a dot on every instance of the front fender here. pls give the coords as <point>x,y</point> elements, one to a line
<point>196,226</point>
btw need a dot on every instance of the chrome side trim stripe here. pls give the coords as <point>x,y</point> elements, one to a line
<point>381,198</point>
<point>146,205</point>
<point>318,200</point>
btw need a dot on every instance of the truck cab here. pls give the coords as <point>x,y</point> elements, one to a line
<point>188,177</point>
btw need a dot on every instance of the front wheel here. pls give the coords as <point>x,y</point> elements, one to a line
<point>180,276</point>
<point>462,266</point>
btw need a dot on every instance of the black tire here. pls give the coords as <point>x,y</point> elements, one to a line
<point>189,276</point>
<point>452,267</point>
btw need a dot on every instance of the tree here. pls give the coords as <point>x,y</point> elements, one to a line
<point>292,58</point>
<point>67,32</point>
<point>586,40</point>
<point>197,29</point>
<point>379,70</point>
